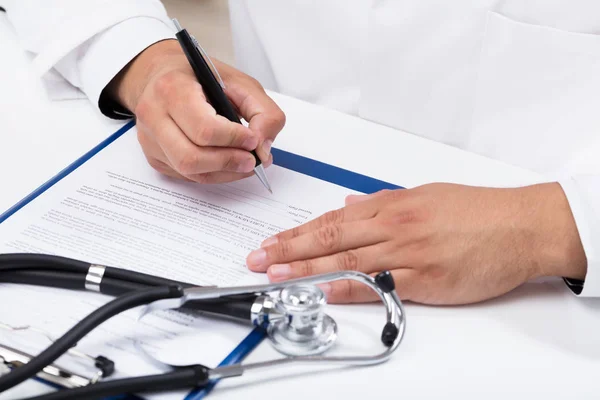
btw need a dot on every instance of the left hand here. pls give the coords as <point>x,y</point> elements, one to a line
<point>443,243</point>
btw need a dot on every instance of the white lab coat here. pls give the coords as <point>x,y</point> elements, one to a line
<point>515,80</point>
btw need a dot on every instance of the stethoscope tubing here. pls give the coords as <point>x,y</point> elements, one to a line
<point>182,378</point>
<point>66,273</point>
<point>131,289</point>
<point>82,328</point>
<point>44,262</point>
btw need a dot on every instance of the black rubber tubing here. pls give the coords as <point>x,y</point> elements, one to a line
<point>238,306</point>
<point>24,261</point>
<point>82,328</point>
<point>179,379</point>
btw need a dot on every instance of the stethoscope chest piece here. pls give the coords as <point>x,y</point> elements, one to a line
<point>302,328</point>
<point>292,313</point>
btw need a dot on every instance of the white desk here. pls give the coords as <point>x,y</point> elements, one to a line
<point>537,342</point>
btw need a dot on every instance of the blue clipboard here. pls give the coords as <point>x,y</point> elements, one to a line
<point>284,159</point>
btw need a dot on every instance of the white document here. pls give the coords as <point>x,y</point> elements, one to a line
<point>116,210</point>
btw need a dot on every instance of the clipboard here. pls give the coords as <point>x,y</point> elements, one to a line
<point>281,158</point>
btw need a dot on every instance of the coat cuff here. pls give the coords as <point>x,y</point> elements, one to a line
<point>110,51</point>
<point>579,196</point>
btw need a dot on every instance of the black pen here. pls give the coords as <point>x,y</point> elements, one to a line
<point>213,87</point>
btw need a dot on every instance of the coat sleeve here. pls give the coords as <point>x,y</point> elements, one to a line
<point>583,194</point>
<point>87,42</point>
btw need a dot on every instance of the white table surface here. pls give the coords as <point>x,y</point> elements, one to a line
<point>539,341</point>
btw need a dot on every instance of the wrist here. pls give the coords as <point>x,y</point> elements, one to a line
<point>128,85</point>
<point>558,248</point>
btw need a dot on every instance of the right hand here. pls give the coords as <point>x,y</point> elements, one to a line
<point>180,132</point>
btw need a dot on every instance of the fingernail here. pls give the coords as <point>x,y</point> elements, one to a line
<point>247,165</point>
<point>266,146</point>
<point>326,288</point>
<point>280,271</point>
<point>250,143</point>
<point>257,257</point>
<point>270,241</point>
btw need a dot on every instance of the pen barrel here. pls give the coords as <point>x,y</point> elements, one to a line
<point>212,88</point>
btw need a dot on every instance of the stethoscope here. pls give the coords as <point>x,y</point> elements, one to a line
<point>291,313</point>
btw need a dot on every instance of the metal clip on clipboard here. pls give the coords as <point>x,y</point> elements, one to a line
<point>54,374</point>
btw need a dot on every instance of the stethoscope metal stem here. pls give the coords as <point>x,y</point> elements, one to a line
<point>392,335</point>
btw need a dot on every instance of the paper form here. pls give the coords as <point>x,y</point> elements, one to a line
<point>116,210</point>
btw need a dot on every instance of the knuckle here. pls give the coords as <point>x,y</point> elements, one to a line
<point>156,164</point>
<point>230,163</point>
<point>280,117</point>
<point>205,133</point>
<point>295,232</point>
<point>186,163</point>
<point>165,83</point>
<point>253,81</point>
<point>397,194</point>
<point>143,109</point>
<point>348,261</point>
<point>384,192</point>
<point>276,121</point>
<point>307,268</point>
<point>406,216</point>
<point>283,250</point>
<point>233,135</point>
<point>329,237</point>
<point>434,274</point>
<point>333,217</point>
<point>203,179</point>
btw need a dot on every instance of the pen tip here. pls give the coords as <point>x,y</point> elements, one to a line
<point>260,173</point>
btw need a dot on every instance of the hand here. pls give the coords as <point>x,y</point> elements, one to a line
<point>443,243</point>
<point>180,132</point>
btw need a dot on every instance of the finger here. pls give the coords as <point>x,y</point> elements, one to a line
<point>155,156</point>
<point>188,159</point>
<point>347,214</point>
<point>224,177</point>
<point>340,292</point>
<point>165,169</point>
<point>157,159</point>
<point>264,117</point>
<point>219,177</point>
<point>366,259</point>
<point>201,124</point>
<point>354,260</point>
<point>357,198</point>
<point>188,107</point>
<point>327,240</point>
